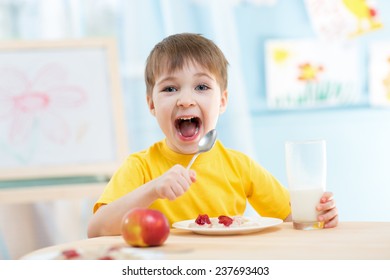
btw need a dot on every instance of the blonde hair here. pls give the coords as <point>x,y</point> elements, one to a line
<point>175,51</point>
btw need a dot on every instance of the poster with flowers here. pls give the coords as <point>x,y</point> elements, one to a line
<point>307,74</point>
<point>379,74</point>
<point>57,115</point>
<point>343,19</point>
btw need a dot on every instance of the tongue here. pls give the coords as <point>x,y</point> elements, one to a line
<point>187,128</point>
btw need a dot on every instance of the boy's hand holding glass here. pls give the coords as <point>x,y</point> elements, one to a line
<point>328,211</point>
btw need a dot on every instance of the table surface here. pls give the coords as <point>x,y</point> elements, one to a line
<point>349,240</point>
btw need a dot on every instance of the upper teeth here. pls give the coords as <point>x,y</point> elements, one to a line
<point>186,118</point>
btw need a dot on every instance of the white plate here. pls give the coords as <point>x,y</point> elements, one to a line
<point>260,224</point>
<point>43,256</point>
<point>97,252</point>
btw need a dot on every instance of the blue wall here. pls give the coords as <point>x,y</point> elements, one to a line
<point>358,137</point>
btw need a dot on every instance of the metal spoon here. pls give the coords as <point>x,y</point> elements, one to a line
<point>205,144</point>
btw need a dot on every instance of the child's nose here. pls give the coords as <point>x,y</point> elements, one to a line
<point>186,99</point>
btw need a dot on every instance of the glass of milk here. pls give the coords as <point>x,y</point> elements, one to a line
<point>306,176</point>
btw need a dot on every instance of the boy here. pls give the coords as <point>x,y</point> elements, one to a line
<point>186,84</point>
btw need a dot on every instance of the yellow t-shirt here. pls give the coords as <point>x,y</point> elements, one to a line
<point>225,180</point>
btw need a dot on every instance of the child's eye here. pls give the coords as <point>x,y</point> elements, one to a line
<point>169,89</point>
<point>202,87</point>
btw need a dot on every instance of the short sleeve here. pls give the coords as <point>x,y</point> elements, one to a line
<point>128,177</point>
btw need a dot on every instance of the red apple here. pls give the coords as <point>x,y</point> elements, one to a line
<point>143,227</point>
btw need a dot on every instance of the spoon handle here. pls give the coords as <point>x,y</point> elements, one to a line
<point>192,161</point>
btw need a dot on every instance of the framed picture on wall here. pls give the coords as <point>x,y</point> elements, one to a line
<point>379,74</point>
<point>311,74</point>
<point>333,20</point>
<point>60,109</point>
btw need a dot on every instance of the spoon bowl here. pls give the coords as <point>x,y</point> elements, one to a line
<point>205,144</point>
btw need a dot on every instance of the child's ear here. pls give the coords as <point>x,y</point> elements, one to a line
<point>224,102</point>
<point>150,102</point>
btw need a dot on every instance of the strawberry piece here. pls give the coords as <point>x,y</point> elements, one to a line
<point>114,248</point>
<point>225,220</point>
<point>202,219</point>
<point>105,258</point>
<point>70,254</point>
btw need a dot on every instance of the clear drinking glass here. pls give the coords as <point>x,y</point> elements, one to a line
<point>306,176</point>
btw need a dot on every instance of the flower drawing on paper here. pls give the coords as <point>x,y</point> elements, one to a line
<point>365,13</point>
<point>309,72</point>
<point>31,103</point>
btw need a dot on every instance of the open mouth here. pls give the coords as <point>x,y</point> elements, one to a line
<point>188,126</point>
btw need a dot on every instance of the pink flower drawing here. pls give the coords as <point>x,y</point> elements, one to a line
<point>37,102</point>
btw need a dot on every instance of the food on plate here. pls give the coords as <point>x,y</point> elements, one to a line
<point>142,227</point>
<point>203,220</point>
<point>223,221</point>
<point>97,253</point>
<point>70,254</point>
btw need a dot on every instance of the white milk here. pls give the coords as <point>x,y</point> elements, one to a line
<point>304,202</point>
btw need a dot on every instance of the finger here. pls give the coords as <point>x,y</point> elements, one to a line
<point>188,174</point>
<point>178,190</point>
<point>328,216</point>
<point>332,223</point>
<point>326,196</point>
<point>179,173</point>
<point>326,206</point>
<point>193,176</point>
<point>181,185</point>
<point>183,182</point>
<point>169,194</point>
